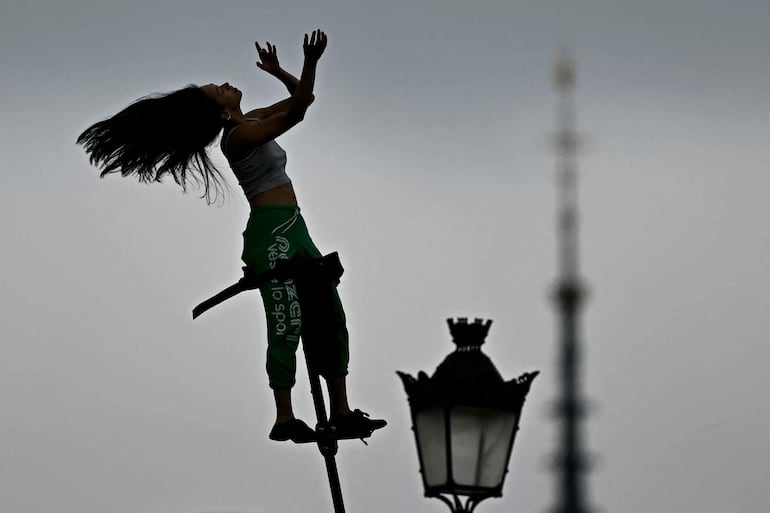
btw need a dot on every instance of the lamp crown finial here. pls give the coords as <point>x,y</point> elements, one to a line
<point>469,336</point>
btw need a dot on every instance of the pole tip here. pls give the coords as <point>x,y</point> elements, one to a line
<point>564,72</point>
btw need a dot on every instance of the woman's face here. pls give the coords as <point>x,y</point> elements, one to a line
<point>227,96</point>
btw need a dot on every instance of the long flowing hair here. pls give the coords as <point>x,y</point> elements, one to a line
<point>161,135</point>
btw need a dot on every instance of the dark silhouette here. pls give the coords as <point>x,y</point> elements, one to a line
<point>157,136</point>
<point>569,297</point>
<point>168,135</point>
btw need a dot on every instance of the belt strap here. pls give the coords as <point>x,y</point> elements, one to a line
<point>327,267</point>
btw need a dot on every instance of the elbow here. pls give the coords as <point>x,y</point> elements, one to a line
<point>304,100</point>
<point>297,112</point>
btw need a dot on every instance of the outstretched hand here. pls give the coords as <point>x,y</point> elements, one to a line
<point>268,58</point>
<point>315,45</point>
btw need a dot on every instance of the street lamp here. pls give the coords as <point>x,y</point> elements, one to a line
<point>465,419</point>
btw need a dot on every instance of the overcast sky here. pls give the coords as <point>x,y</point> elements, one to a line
<point>425,162</point>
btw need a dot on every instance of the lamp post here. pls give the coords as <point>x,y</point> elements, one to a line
<point>465,419</point>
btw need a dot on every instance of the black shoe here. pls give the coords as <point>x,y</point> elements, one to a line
<point>294,430</point>
<point>356,424</point>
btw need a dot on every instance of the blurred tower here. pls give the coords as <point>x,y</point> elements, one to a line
<point>569,293</point>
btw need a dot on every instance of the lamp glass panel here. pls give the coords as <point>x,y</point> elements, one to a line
<point>480,441</point>
<point>431,441</point>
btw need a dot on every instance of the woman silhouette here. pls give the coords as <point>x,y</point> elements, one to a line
<point>168,135</point>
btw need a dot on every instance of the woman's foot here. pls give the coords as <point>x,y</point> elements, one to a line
<point>295,430</point>
<point>355,424</point>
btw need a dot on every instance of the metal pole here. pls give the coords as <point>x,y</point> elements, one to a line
<point>327,445</point>
<point>569,295</point>
<point>315,329</point>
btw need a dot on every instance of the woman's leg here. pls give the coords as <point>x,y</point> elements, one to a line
<point>284,323</point>
<point>283,408</point>
<point>338,396</point>
<point>266,241</point>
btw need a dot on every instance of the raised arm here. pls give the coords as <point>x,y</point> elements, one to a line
<point>293,109</point>
<point>302,96</point>
<point>268,62</point>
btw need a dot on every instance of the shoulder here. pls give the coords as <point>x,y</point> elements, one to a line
<point>235,151</point>
<point>256,132</point>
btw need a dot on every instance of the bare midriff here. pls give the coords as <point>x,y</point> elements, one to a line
<point>283,195</point>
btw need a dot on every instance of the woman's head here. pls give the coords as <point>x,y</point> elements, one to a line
<point>226,96</point>
<point>161,135</point>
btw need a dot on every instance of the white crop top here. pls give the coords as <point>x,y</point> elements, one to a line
<point>261,170</point>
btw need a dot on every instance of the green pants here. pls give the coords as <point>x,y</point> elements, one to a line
<point>277,233</point>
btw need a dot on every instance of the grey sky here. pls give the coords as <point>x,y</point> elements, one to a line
<point>425,162</point>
